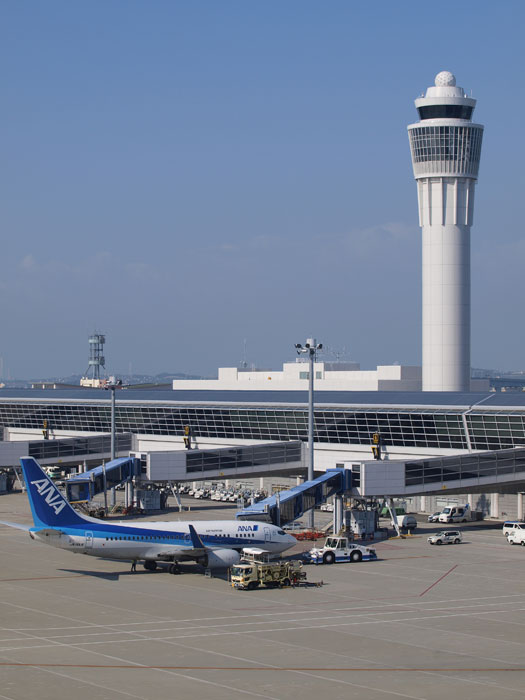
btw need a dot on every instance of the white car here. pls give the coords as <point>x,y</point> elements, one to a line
<point>446,537</point>
<point>327,507</point>
<point>434,517</point>
<point>516,536</point>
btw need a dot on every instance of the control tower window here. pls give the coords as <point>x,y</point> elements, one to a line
<point>445,112</point>
<point>446,143</point>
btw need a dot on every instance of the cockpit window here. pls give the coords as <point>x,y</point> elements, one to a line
<point>281,532</point>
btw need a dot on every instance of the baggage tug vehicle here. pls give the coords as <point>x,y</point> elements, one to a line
<point>341,549</point>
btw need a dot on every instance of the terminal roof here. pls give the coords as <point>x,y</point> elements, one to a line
<point>429,399</point>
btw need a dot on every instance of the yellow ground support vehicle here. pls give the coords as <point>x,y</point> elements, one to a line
<point>253,573</point>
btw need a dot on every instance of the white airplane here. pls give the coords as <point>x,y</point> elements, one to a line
<point>212,543</point>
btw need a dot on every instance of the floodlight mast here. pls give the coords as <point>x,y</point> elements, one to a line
<point>111,385</point>
<point>310,348</point>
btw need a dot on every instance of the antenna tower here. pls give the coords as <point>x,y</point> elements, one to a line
<point>96,361</point>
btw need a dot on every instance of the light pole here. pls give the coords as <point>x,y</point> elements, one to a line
<point>310,348</point>
<point>111,386</point>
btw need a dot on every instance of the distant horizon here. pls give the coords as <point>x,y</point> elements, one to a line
<point>69,379</point>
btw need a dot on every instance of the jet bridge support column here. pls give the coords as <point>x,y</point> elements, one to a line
<point>338,514</point>
<point>176,494</point>
<point>494,505</point>
<point>520,506</point>
<point>393,515</point>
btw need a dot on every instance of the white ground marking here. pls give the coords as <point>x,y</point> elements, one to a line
<point>178,628</point>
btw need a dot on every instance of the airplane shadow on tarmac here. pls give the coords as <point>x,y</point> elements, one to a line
<point>162,569</point>
<point>97,574</point>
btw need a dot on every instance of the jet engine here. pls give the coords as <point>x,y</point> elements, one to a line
<point>220,559</point>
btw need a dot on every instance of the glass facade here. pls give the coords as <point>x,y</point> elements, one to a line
<point>472,466</point>
<point>399,427</point>
<point>456,149</point>
<point>81,446</point>
<point>242,457</point>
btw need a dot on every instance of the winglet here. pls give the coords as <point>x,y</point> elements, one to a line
<point>195,539</point>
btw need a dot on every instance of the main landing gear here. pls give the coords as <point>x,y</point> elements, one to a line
<point>151,565</point>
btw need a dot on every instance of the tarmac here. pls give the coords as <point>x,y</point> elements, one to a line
<point>422,622</point>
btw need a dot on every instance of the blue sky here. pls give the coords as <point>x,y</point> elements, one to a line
<point>186,175</point>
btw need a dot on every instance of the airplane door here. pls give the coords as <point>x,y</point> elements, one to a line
<point>267,534</point>
<point>88,541</point>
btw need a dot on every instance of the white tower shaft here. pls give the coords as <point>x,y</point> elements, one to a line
<point>445,206</point>
<point>446,149</point>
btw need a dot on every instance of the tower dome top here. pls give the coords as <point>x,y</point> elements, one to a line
<point>445,79</point>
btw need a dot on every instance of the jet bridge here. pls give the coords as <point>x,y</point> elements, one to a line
<point>64,451</point>
<point>84,486</point>
<point>475,472</point>
<point>285,506</point>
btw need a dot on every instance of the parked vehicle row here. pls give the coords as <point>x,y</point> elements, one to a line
<point>222,494</point>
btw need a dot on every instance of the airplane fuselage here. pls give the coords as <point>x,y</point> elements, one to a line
<point>158,540</point>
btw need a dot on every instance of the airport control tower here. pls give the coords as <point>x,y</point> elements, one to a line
<point>446,148</point>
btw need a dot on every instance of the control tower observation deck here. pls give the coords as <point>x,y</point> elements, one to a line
<point>446,149</point>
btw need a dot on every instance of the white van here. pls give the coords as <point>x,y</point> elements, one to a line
<point>513,526</point>
<point>455,514</point>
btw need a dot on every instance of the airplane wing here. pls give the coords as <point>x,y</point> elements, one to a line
<point>196,551</point>
<point>18,526</point>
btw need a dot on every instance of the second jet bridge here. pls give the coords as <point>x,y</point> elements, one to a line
<point>283,507</point>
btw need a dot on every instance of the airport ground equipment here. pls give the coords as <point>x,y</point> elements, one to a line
<point>256,569</point>
<point>406,523</point>
<point>84,486</point>
<point>361,522</point>
<point>446,537</point>
<point>286,506</point>
<point>309,535</point>
<point>455,514</point>
<point>341,549</point>
<point>385,511</point>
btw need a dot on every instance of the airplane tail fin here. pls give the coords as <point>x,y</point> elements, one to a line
<point>48,505</point>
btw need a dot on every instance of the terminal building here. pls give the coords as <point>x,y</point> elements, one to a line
<point>415,427</point>
<point>329,376</point>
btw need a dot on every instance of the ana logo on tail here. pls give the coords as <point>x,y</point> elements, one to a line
<point>53,498</point>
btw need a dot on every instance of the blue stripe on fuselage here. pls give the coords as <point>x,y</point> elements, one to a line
<point>180,539</point>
